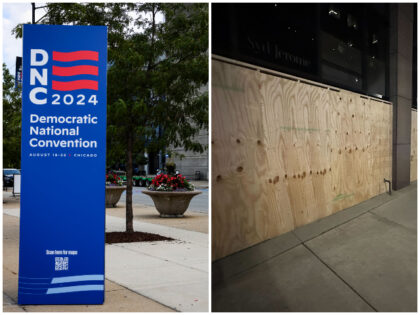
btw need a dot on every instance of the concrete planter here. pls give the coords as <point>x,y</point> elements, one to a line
<point>113,195</point>
<point>170,203</point>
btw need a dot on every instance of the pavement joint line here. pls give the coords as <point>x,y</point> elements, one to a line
<point>146,296</point>
<point>339,277</point>
<point>391,222</point>
<point>256,265</point>
<point>302,242</point>
<point>131,290</point>
<point>15,302</point>
<point>159,258</point>
<point>369,209</point>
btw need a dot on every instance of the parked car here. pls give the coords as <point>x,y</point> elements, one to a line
<point>142,181</point>
<point>8,176</point>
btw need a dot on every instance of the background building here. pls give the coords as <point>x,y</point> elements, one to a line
<point>369,49</point>
<point>194,165</point>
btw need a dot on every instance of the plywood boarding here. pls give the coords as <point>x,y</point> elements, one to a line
<point>413,155</point>
<point>286,153</point>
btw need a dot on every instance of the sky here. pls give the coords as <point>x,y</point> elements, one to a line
<point>13,14</point>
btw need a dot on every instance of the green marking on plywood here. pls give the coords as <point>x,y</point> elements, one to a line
<point>342,196</point>
<point>289,128</point>
<point>226,87</point>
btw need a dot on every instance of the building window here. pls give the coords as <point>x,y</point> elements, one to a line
<point>344,45</point>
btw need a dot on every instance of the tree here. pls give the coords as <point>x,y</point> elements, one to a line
<point>12,108</point>
<point>158,56</point>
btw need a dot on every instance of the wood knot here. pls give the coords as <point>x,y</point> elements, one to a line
<point>238,141</point>
<point>339,151</point>
<point>240,169</point>
<point>298,175</point>
<point>352,116</point>
<point>276,179</point>
<point>270,181</point>
<point>294,176</point>
<point>219,178</point>
<point>259,142</point>
<point>303,174</point>
<point>349,150</point>
<point>212,142</point>
<point>285,175</point>
<point>330,169</point>
<point>310,172</point>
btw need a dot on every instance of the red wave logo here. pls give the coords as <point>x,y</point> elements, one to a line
<point>75,85</point>
<point>75,70</point>
<point>76,55</point>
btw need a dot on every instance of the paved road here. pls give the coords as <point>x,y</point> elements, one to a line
<point>199,203</point>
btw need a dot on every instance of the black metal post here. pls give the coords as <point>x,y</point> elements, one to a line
<point>33,12</point>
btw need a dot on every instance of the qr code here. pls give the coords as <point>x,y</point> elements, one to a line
<point>61,263</point>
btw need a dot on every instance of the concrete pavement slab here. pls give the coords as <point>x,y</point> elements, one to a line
<point>402,211</point>
<point>376,257</point>
<point>160,273</point>
<point>10,306</point>
<point>158,280</point>
<point>117,297</point>
<point>163,271</point>
<point>114,224</point>
<point>293,281</point>
<point>192,221</point>
<point>371,249</point>
<point>316,228</point>
<point>225,268</point>
<point>180,253</point>
<point>118,224</point>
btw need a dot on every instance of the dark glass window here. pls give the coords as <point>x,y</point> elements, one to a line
<point>339,44</point>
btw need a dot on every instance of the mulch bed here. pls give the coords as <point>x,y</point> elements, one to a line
<point>126,237</point>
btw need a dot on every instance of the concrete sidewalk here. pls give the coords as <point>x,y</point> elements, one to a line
<point>152,276</point>
<point>117,298</point>
<point>361,259</point>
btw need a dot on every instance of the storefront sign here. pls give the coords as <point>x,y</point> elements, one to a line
<point>62,218</point>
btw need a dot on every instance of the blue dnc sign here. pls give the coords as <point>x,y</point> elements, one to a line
<point>62,225</point>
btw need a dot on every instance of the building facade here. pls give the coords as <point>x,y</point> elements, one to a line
<point>369,49</point>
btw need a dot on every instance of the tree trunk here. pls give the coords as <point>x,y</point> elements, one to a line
<point>129,195</point>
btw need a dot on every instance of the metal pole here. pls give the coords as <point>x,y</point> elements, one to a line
<point>33,12</point>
